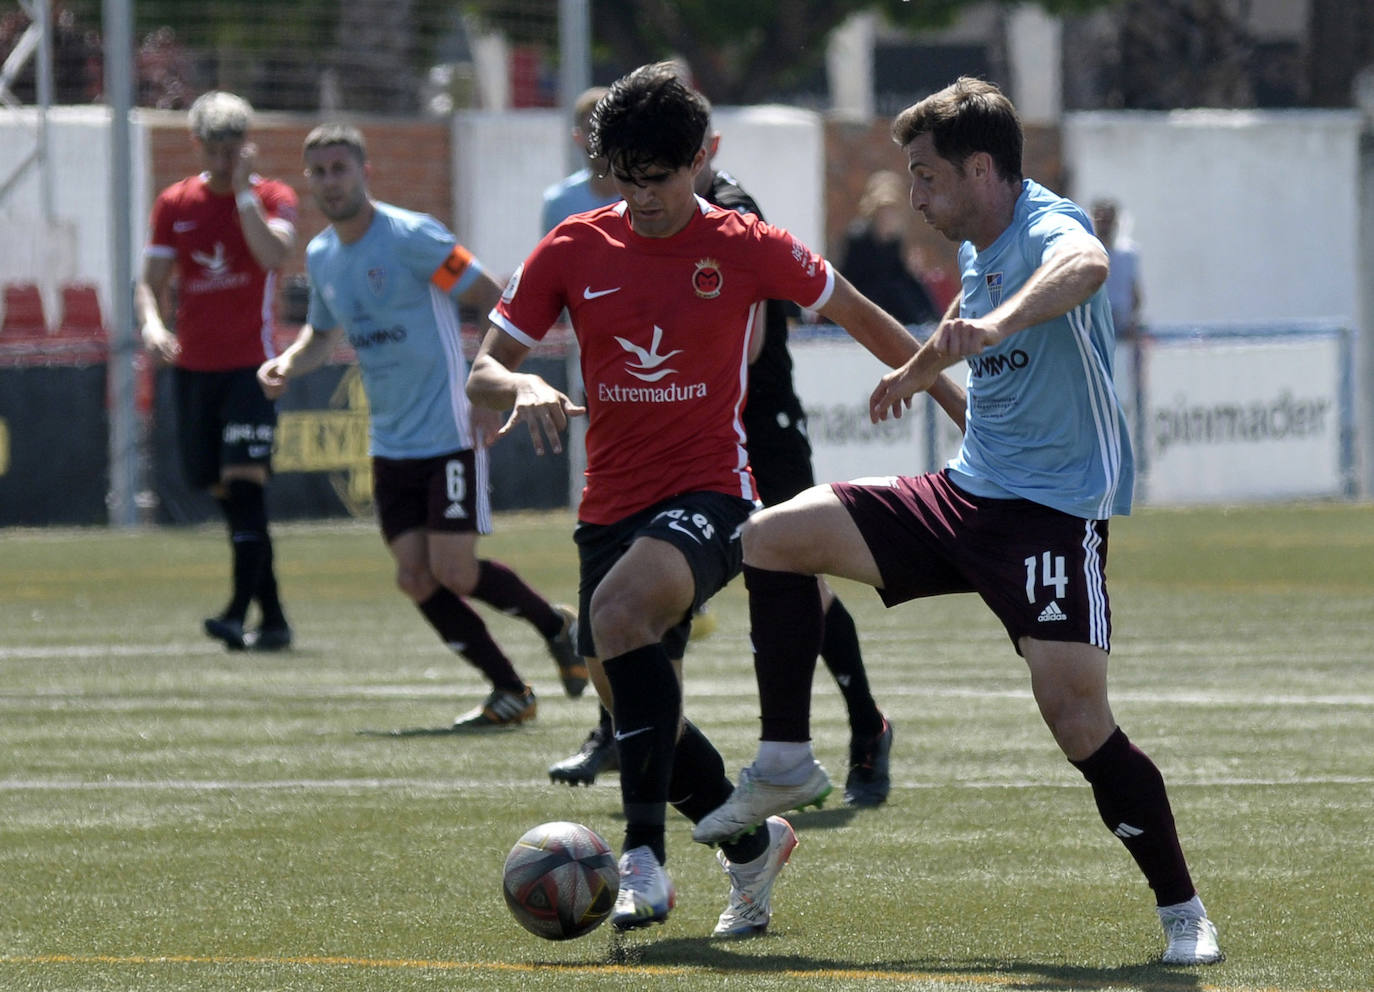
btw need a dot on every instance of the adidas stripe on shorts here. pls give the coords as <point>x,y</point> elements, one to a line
<point>444,494</point>
<point>1042,571</point>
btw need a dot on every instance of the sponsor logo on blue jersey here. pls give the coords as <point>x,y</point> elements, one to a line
<point>997,363</point>
<point>381,335</point>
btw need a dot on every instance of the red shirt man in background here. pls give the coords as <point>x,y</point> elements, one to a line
<point>225,232</point>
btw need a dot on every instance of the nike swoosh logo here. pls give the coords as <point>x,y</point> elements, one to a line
<point>184,225</point>
<point>631,733</point>
<point>589,294</point>
<point>674,525</point>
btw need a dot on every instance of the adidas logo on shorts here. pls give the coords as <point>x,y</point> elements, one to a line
<point>1052,613</point>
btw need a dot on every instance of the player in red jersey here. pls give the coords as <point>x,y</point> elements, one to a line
<point>224,232</point>
<point>665,293</point>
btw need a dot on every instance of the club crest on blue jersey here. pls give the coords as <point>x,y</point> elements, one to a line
<point>993,281</point>
<point>376,280</point>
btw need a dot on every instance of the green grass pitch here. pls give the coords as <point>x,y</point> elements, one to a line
<point>173,816</point>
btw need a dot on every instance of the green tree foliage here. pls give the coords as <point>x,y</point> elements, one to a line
<point>745,51</point>
<point>740,51</point>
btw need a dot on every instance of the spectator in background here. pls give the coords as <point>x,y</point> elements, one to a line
<point>225,232</point>
<point>164,71</point>
<point>873,256</point>
<point>1123,293</point>
<point>1123,281</point>
<point>587,188</point>
<point>938,276</point>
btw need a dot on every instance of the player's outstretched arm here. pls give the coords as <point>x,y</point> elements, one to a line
<point>886,338</point>
<point>869,324</point>
<point>955,339</point>
<point>495,383</point>
<point>951,398</point>
<point>309,351</point>
<point>946,392</point>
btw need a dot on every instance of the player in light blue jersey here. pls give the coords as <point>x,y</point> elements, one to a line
<point>1043,421</point>
<point>587,188</point>
<point>1019,516</point>
<point>390,281</point>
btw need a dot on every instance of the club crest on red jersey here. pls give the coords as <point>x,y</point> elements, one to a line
<point>707,279</point>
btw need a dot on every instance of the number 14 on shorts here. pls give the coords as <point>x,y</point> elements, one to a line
<point>1046,569</point>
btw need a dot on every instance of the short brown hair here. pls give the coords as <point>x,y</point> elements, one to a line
<point>337,134</point>
<point>585,103</point>
<point>969,115</point>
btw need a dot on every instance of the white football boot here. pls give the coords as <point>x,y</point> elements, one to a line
<point>646,892</point>
<point>1192,938</point>
<point>755,799</point>
<point>751,884</point>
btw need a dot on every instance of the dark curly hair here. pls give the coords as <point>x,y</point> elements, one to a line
<point>650,117</point>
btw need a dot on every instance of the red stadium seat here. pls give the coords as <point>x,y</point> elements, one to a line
<point>24,318</point>
<point>80,312</point>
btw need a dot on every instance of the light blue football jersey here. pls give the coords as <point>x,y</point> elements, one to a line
<point>1044,422</point>
<point>570,195</point>
<point>404,328</point>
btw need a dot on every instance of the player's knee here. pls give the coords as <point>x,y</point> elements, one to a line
<point>416,582</point>
<point>458,575</point>
<point>607,615</point>
<point>1079,724</point>
<point>618,625</point>
<point>762,539</point>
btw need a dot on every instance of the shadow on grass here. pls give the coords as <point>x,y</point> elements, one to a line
<point>826,819</point>
<point>447,730</point>
<point>1021,976</point>
<point>822,819</point>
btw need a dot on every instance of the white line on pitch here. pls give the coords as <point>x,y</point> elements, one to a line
<point>447,786</point>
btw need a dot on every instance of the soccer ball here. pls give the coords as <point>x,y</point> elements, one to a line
<point>560,880</point>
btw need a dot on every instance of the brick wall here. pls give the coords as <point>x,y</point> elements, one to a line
<point>855,150</point>
<point>411,167</point>
<point>410,163</point>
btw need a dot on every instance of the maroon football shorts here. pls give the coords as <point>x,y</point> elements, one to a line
<point>446,494</point>
<point>1042,571</point>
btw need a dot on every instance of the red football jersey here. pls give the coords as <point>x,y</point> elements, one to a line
<point>224,298</point>
<point>663,325</point>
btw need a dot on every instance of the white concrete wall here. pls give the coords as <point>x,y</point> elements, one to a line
<point>1227,419</point>
<point>778,156</point>
<point>1241,420</point>
<point>1035,61</point>
<point>834,376</point>
<point>1239,215</point>
<point>76,246</point>
<point>504,160</point>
